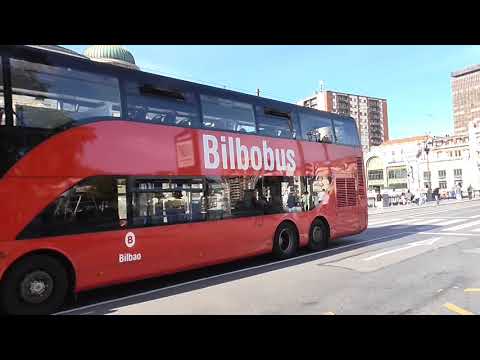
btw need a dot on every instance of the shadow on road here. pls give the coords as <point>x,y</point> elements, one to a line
<point>161,287</point>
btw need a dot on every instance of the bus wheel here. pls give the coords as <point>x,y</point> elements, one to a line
<point>318,239</point>
<point>285,241</point>
<point>36,285</point>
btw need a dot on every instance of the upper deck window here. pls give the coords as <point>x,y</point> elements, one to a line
<point>346,132</point>
<point>157,104</point>
<point>274,123</point>
<point>226,114</point>
<point>2,101</point>
<point>49,97</point>
<point>316,128</point>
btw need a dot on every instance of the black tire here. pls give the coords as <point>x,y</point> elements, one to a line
<point>36,285</point>
<point>285,241</point>
<point>318,236</point>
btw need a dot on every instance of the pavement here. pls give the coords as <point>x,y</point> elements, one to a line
<point>420,260</point>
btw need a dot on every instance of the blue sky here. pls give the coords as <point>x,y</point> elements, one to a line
<point>415,80</point>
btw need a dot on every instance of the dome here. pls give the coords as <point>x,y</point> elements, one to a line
<point>112,54</point>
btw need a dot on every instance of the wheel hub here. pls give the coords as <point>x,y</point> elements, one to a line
<point>317,234</point>
<point>285,240</point>
<point>36,287</point>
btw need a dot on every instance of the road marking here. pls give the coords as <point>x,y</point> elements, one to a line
<point>476,230</point>
<point>454,221</point>
<point>396,222</point>
<point>472,290</point>
<point>425,221</point>
<point>428,212</point>
<point>443,233</point>
<point>229,273</point>
<point>463,226</point>
<point>406,247</point>
<point>329,313</point>
<point>474,217</point>
<point>457,309</point>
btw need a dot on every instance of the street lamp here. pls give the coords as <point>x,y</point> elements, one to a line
<point>427,146</point>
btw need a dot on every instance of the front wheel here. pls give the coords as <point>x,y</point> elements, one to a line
<point>36,285</point>
<point>285,241</point>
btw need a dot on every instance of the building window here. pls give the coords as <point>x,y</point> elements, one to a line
<point>457,173</point>
<point>442,174</point>
<point>426,175</point>
<point>375,174</point>
<point>225,114</point>
<point>442,184</point>
<point>50,97</point>
<point>397,173</point>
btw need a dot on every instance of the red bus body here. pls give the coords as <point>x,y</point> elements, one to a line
<point>122,147</point>
<point>47,151</point>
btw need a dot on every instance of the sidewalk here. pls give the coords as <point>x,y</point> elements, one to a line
<point>372,211</point>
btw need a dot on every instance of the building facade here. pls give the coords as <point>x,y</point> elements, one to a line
<point>423,162</point>
<point>369,113</point>
<point>466,98</point>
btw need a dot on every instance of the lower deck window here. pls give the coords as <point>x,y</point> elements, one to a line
<point>111,203</point>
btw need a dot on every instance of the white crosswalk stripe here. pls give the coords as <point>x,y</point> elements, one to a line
<point>454,221</point>
<point>463,226</point>
<point>421,221</point>
<point>390,223</point>
<point>425,221</point>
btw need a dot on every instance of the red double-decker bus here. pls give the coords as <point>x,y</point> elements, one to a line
<point>110,175</point>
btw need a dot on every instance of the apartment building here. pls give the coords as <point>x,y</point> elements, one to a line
<point>466,98</point>
<point>369,113</point>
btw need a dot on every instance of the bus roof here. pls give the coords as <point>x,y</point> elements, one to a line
<point>59,51</point>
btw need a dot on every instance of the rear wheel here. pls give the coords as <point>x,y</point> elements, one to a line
<point>285,241</point>
<point>36,285</point>
<point>318,239</point>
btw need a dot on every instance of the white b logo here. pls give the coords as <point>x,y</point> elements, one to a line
<point>130,239</point>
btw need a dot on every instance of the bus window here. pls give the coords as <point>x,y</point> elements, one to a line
<point>274,123</point>
<point>2,102</point>
<point>167,201</point>
<point>161,106</point>
<point>95,204</point>
<point>316,128</point>
<point>225,114</point>
<point>49,97</point>
<point>346,132</point>
<point>233,197</point>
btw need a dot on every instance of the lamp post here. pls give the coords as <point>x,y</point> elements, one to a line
<point>427,146</point>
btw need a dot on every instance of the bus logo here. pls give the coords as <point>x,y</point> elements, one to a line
<point>130,239</point>
<point>230,153</point>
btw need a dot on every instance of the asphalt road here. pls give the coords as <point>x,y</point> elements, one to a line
<point>416,261</point>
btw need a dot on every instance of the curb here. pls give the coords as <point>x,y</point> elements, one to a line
<point>374,212</point>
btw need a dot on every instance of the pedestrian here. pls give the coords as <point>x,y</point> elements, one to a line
<point>459,192</point>
<point>409,196</point>
<point>379,199</point>
<point>436,195</point>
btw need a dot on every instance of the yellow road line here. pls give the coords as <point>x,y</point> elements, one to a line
<point>457,309</point>
<point>472,290</point>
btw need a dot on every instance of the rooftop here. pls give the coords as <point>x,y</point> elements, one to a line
<point>466,70</point>
<point>406,140</point>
